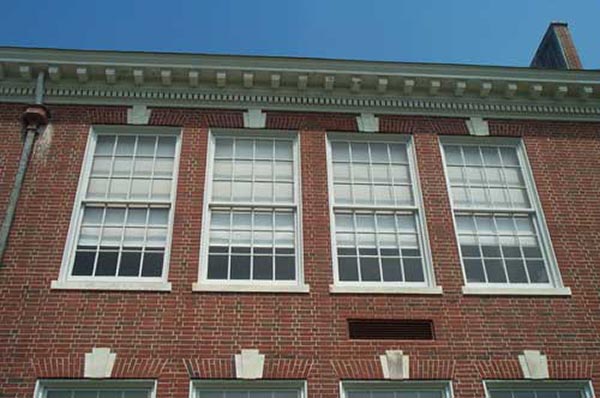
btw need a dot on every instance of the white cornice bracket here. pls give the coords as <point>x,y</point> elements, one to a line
<point>194,78</point>
<point>382,84</point>
<point>459,88</point>
<point>586,92</point>
<point>248,79</point>
<point>434,87</point>
<point>355,84</point>
<point>249,365</point>
<point>166,77</point>
<point>221,78</point>
<point>25,72</point>
<point>561,92</point>
<point>138,77</point>
<point>534,365</point>
<point>138,114</point>
<point>99,363</point>
<point>409,85</point>
<point>302,82</point>
<point>367,123</point>
<point>255,119</point>
<point>275,80</point>
<point>485,90</point>
<point>511,90</point>
<point>535,90</point>
<point>111,75</point>
<point>478,127</point>
<point>395,365</point>
<point>82,74</point>
<point>329,83</point>
<point>54,73</point>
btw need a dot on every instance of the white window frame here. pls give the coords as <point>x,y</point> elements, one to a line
<point>204,284</point>
<point>584,385</point>
<point>444,386</point>
<point>65,280</point>
<point>429,285</point>
<point>42,385</point>
<point>254,385</point>
<point>556,287</point>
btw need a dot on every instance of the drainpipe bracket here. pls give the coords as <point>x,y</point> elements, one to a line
<point>33,117</point>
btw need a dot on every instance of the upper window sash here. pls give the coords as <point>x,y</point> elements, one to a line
<point>235,388</point>
<point>123,388</point>
<point>396,389</point>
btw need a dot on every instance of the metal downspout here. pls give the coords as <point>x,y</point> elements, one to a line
<point>32,119</point>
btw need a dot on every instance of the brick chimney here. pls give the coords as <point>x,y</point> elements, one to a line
<point>557,51</point>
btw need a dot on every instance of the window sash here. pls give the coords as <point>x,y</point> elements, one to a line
<point>142,388</point>
<point>399,389</point>
<point>494,389</point>
<point>397,206</point>
<point>215,205</point>
<point>295,388</point>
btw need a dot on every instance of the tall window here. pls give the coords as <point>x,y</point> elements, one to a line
<point>401,389</point>
<point>248,389</point>
<point>378,224</point>
<point>95,389</point>
<point>538,389</point>
<point>251,232</point>
<point>503,239</point>
<point>122,219</point>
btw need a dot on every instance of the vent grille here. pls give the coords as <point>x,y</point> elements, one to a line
<point>390,329</point>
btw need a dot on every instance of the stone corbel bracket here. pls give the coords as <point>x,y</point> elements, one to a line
<point>255,119</point>
<point>367,123</point>
<point>249,365</point>
<point>99,363</point>
<point>138,114</point>
<point>478,127</point>
<point>395,365</point>
<point>534,365</point>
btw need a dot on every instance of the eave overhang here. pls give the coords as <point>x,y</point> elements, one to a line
<point>298,84</point>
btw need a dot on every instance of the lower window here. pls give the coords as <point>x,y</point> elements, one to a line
<point>392,389</point>
<point>95,389</point>
<point>541,389</point>
<point>248,389</point>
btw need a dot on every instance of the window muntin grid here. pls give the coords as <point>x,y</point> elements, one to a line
<point>381,393</point>
<point>371,173</point>
<point>248,393</point>
<point>486,176</point>
<point>499,232</point>
<point>123,223</point>
<point>253,170</point>
<point>132,167</point>
<point>501,248</point>
<point>537,393</point>
<point>255,244</point>
<point>253,227</point>
<point>392,250</point>
<point>378,247</point>
<point>96,393</point>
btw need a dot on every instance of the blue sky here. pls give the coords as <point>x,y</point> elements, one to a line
<point>497,32</point>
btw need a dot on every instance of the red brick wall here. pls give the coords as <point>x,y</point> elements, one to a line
<point>177,335</point>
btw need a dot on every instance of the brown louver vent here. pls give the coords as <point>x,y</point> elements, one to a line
<point>390,329</point>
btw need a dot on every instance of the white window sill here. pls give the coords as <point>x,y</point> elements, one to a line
<point>516,291</point>
<point>433,290</point>
<point>249,288</point>
<point>116,285</point>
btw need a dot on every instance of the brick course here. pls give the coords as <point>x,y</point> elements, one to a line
<point>181,334</point>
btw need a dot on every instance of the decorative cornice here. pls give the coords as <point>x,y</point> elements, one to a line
<point>191,80</point>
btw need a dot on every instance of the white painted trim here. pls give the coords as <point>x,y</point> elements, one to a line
<point>249,288</point>
<point>254,385</point>
<point>64,280</point>
<point>341,289</point>
<point>515,291</point>
<point>42,385</point>
<point>203,283</point>
<point>556,284</point>
<point>585,385</point>
<point>422,233</point>
<point>445,386</point>
<point>116,285</point>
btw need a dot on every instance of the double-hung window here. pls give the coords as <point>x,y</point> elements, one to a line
<point>251,234</point>
<point>503,240</point>
<point>248,389</point>
<point>378,234</point>
<point>95,389</point>
<point>121,224</point>
<point>538,389</point>
<point>399,389</point>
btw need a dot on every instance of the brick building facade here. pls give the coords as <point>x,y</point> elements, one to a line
<point>167,305</point>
